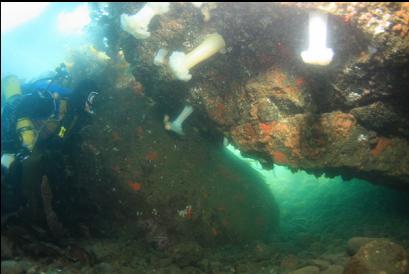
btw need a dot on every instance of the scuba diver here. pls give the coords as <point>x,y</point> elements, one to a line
<point>37,120</point>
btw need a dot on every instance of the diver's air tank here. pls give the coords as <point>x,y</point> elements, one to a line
<point>11,87</point>
<point>24,126</point>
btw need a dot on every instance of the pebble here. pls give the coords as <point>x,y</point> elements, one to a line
<point>14,267</point>
<point>334,269</point>
<point>307,270</point>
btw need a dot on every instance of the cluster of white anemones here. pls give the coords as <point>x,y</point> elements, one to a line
<point>180,63</point>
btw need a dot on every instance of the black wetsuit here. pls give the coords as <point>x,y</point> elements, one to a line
<point>25,173</point>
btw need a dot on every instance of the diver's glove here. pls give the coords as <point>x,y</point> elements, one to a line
<point>90,102</point>
<point>23,154</point>
<point>7,160</point>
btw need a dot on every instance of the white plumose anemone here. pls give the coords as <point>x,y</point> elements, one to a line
<point>180,63</point>
<point>317,52</point>
<point>176,125</point>
<point>160,57</point>
<point>137,24</point>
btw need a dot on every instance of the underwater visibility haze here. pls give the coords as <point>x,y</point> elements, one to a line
<point>205,137</point>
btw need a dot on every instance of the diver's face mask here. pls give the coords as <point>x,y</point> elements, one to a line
<point>90,102</point>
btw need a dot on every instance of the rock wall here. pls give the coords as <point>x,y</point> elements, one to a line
<point>349,118</point>
<point>161,186</point>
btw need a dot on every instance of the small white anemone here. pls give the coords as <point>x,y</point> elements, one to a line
<point>176,125</point>
<point>205,8</point>
<point>180,63</point>
<point>137,24</point>
<point>198,4</point>
<point>160,57</point>
<point>317,52</point>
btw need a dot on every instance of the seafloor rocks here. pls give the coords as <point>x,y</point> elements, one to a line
<point>336,259</point>
<point>186,253</point>
<point>103,268</point>
<point>379,256</point>
<point>322,264</point>
<point>334,269</point>
<point>289,262</point>
<point>355,243</point>
<point>7,248</point>
<point>307,270</point>
<point>261,252</point>
<point>14,267</point>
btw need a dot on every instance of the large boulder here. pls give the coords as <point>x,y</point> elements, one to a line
<point>379,256</point>
<point>355,243</point>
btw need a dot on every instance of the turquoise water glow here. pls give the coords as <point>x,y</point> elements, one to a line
<point>331,208</point>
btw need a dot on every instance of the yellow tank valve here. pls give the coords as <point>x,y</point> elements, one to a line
<point>62,132</point>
